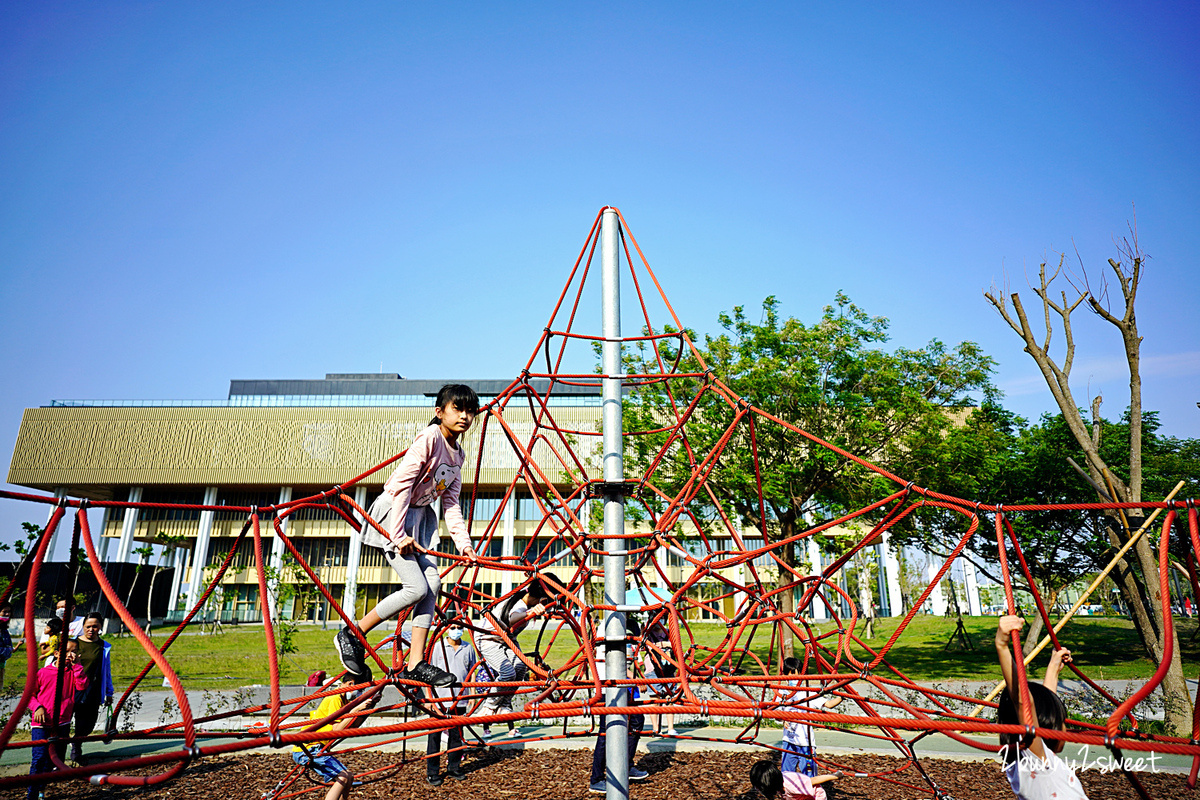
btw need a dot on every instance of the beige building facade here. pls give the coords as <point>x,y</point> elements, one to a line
<point>274,441</point>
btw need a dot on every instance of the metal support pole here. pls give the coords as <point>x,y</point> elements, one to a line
<point>616,727</point>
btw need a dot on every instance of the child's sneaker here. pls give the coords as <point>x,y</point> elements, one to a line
<point>427,673</point>
<point>636,774</point>
<point>599,787</point>
<point>350,652</point>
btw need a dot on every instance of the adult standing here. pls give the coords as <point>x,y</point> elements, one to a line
<point>75,628</point>
<point>96,659</point>
<point>455,656</point>
<point>598,783</point>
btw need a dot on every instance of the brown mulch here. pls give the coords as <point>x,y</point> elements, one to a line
<point>563,775</point>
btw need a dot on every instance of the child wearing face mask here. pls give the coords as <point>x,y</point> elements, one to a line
<point>455,656</point>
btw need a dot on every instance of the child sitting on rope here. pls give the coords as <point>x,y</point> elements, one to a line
<point>772,782</point>
<point>514,615</point>
<point>48,646</point>
<point>1031,764</point>
<point>798,736</point>
<point>328,768</point>
<point>430,470</point>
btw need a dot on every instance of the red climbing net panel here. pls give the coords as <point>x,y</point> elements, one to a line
<point>556,465</point>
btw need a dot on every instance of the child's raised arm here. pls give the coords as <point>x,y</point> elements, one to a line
<point>1061,656</point>
<point>1004,630</point>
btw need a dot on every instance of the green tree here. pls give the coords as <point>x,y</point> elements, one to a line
<point>1141,593</point>
<point>832,378</point>
<point>996,457</point>
<point>23,547</point>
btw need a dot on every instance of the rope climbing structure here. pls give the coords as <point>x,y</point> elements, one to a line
<point>684,555</point>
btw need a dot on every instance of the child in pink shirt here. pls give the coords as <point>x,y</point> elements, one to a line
<point>772,783</point>
<point>46,724</point>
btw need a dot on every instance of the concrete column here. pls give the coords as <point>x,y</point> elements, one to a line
<point>353,558</point>
<point>277,550</point>
<point>817,609</point>
<point>196,585</point>
<point>937,598</point>
<point>508,533</point>
<point>179,562</point>
<point>740,577</point>
<point>976,607</point>
<point>891,572</point>
<point>129,527</point>
<point>65,522</point>
<point>102,540</point>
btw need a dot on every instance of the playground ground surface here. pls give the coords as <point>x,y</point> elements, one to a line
<point>678,769</point>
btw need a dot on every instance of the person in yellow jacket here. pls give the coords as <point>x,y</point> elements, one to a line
<point>327,767</point>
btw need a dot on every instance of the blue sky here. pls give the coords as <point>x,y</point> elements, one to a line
<point>198,192</point>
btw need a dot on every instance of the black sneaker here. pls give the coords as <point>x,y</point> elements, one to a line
<point>433,780</point>
<point>350,652</point>
<point>457,774</point>
<point>427,673</point>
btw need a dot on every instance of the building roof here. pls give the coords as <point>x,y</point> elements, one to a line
<point>386,384</point>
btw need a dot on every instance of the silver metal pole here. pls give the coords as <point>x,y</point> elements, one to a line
<point>616,726</point>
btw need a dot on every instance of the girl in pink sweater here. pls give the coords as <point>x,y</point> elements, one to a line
<point>49,724</point>
<point>430,471</point>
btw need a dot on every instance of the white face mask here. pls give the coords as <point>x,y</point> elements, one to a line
<point>60,613</point>
<point>456,635</point>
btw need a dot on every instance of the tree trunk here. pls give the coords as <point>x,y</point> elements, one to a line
<point>1176,699</point>
<point>133,585</point>
<point>866,597</point>
<point>150,596</point>
<point>787,599</point>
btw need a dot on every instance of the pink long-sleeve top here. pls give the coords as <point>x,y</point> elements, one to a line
<point>430,469</point>
<point>75,680</point>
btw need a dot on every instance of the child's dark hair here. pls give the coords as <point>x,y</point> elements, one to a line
<point>792,666</point>
<point>55,625</point>
<point>1048,708</point>
<point>546,586</point>
<point>457,394</point>
<point>6,606</point>
<point>766,778</point>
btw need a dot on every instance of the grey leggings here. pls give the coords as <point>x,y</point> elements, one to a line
<point>419,579</point>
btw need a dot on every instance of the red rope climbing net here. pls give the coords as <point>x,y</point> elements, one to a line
<point>556,466</point>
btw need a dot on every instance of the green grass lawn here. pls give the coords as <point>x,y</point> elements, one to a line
<point>1104,647</point>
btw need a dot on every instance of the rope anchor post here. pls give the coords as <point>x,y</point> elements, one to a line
<point>616,726</point>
